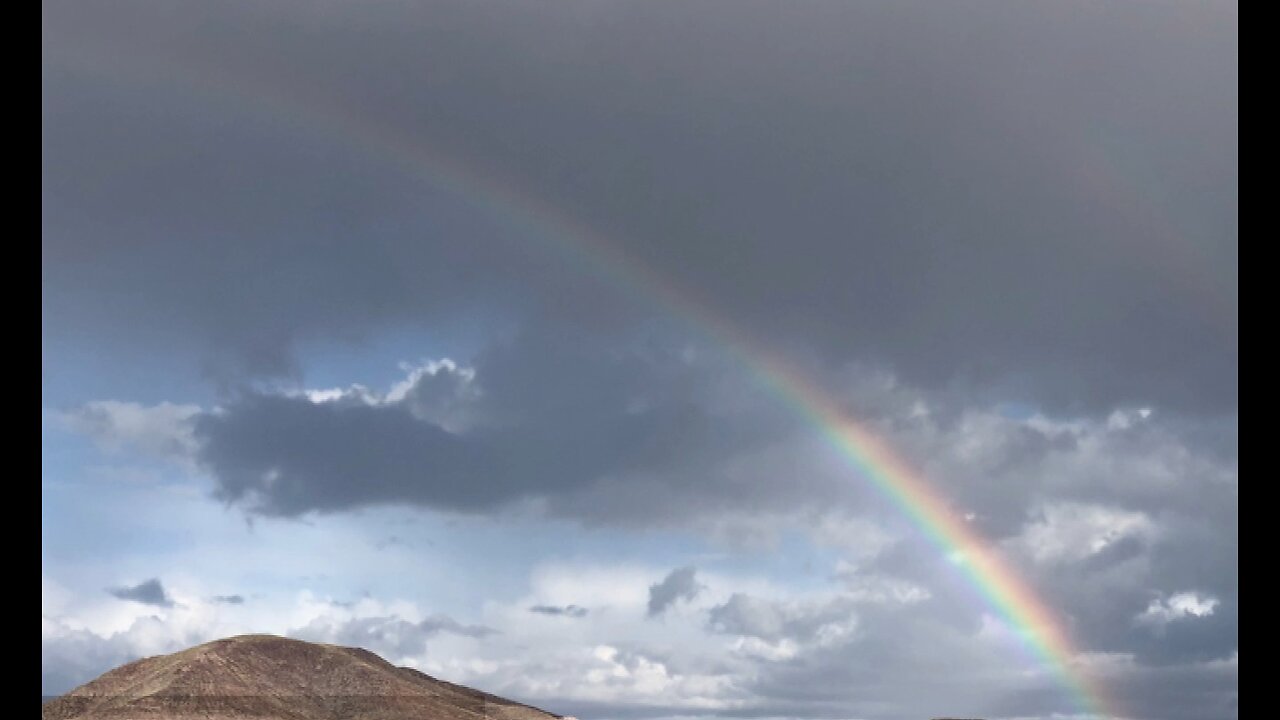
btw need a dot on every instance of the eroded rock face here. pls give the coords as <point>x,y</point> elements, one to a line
<point>268,678</point>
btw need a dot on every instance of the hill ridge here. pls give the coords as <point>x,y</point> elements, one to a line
<point>266,676</point>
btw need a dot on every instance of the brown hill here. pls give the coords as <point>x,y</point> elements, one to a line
<point>274,678</point>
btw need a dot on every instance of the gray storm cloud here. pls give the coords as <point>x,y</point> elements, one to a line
<point>573,611</point>
<point>555,419</point>
<point>147,592</point>
<point>967,153</point>
<point>679,584</point>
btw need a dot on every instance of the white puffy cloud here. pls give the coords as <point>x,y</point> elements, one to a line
<point>1071,532</point>
<point>1178,606</point>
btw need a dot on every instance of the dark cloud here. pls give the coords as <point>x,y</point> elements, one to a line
<point>147,592</point>
<point>573,611</point>
<point>679,584</point>
<point>229,599</point>
<point>1108,598</point>
<point>524,434</point>
<point>355,455</point>
<point>1032,202</point>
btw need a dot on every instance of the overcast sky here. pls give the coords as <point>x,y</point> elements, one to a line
<point>403,325</point>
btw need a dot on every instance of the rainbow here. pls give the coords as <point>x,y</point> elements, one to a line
<point>1017,605</point>
<point>1001,588</point>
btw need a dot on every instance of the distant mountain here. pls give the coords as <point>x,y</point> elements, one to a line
<point>273,678</point>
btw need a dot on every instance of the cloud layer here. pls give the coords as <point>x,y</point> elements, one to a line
<point>959,193</point>
<point>1004,239</point>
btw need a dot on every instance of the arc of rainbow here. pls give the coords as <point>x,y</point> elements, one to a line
<point>1034,623</point>
<point>1017,605</point>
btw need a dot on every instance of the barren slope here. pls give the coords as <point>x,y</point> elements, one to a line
<point>263,676</point>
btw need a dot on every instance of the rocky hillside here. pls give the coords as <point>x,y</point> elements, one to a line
<point>273,678</point>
